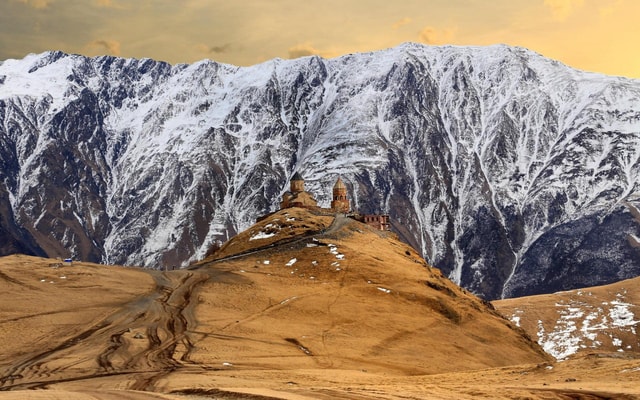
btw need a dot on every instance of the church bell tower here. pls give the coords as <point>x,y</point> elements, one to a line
<point>340,201</point>
<point>297,183</point>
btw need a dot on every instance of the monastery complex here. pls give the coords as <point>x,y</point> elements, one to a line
<point>296,196</point>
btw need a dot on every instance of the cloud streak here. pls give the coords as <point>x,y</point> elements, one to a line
<point>596,35</point>
<point>433,36</point>
<point>37,4</point>
<point>101,46</point>
<point>562,9</point>
<point>109,4</point>
<point>218,49</point>
<point>402,22</point>
<point>304,50</point>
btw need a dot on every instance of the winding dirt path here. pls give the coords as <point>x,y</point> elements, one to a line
<point>148,338</point>
<point>141,341</point>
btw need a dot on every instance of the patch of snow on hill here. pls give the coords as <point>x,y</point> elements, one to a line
<point>621,315</point>
<point>562,341</point>
<point>262,235</point>
<point>291,262</point>
<point>515,318</point>
<point>270,231</point>
<point>586,325</point>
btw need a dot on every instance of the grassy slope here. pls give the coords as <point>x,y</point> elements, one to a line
<point>357,315</point>
<point>355,298</point>
<point>600,319</point>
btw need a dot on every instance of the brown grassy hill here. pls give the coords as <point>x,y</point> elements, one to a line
<point>349,298</point>
<point>601,319</point>
<point>300,306</point>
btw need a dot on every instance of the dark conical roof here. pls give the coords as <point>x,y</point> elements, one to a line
<point>297,177</point>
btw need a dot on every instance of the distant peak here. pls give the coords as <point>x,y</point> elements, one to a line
<point>47,58</point>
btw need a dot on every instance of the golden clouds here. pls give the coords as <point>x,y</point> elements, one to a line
<point>430,35</point>
<point>306,49</point>
<point>37,3</point>
<point>597,35</point>
<point>102,46</point>
<point>109,4</point>
<point>402,22</point>
<point>218,49</point>
<point>562,9</point>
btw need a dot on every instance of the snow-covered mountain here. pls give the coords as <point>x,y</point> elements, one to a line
<point>511,172</point>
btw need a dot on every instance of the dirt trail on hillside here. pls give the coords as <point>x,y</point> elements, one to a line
<point>148,337</point>
<point>141,341</point>
<point>325,309</point>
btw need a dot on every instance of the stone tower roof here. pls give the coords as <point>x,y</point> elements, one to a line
<point>339,184</point>
<point>297,177</point>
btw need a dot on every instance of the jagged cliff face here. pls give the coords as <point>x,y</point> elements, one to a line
<point>512,173</point>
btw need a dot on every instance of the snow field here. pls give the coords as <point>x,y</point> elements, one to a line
<point>584,325</point>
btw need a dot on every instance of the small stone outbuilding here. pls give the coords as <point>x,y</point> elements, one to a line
<point>378,221</point>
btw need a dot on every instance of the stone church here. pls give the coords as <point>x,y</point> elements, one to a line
<point>296,196</point>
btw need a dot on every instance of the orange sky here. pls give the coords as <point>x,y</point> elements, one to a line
<point>594,35</point>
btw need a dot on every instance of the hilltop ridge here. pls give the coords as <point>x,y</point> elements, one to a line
<point>332,269</point>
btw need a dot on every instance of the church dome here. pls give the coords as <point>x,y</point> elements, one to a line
<point>339,184</point>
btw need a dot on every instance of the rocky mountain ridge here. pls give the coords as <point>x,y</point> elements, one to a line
<point>512,173</point>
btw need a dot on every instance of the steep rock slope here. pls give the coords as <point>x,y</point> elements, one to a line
<point>510,172</point>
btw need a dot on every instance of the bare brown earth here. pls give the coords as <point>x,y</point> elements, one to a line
<point>357,315</point>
